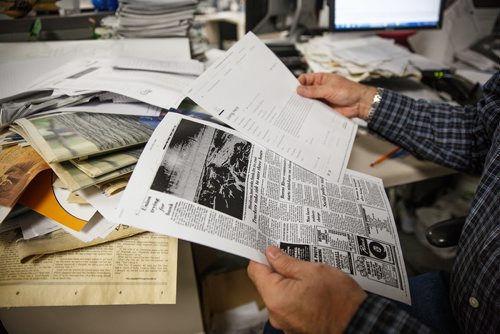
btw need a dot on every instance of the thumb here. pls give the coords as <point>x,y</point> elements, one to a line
<point>284,264</point>
<point>314,92</point>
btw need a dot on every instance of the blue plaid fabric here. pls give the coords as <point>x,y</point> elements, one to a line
<point>466,139</point>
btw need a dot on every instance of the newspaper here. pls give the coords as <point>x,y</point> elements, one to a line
<point>74,179</point>
<point>65,136</point>
<point>108,163</point>
<point>138,270</point>
<point>61,241</point>
<point>114,186</point>
<point>204,183</point>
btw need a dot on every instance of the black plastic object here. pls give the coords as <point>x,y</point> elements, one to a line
<point>460,89</point>
<point>445,233</point>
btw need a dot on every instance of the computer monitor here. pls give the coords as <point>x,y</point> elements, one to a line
<point>350,15</point>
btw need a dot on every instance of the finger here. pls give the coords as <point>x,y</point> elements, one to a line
<point>303,79</point>
<point>284,264</point>
<point>309,78</point>
<point>264,278</point>
<point>256,270</point>
<point>314,92</point>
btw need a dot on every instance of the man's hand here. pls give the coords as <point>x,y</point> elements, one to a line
<point>347,97</point>
<point>305,297</point>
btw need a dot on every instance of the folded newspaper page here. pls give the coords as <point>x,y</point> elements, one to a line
<point>138,270</point>
<point>107,163</point>
<point>74,179</point>
<point>61,241</point>
<point>207,184</point>
<point>65,136</point>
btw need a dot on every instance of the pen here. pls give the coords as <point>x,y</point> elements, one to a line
<point>385,156</point>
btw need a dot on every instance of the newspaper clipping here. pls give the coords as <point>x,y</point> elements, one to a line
<point>141,269</point>
<point>204,183</point>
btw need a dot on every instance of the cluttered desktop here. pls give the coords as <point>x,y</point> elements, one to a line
<point>115,153</point>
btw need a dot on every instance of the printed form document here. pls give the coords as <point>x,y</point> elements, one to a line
<point>251,90</point>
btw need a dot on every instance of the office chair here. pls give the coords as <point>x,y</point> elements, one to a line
<point>430,290</point>
<point>445,233</point>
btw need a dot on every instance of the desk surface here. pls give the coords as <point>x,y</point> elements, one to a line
<point>367,148</point>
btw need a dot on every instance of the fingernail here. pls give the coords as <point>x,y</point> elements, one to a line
<point>300,89</point>
<point>274,252</point>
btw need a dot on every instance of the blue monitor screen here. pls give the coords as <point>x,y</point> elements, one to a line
<point>385,14</point>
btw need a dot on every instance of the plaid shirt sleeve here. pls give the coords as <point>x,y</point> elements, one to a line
<point>378,315</point>
<point>453,136</point>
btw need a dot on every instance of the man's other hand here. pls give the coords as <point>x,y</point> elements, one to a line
<point>347,97</point>
<point>304,297</point>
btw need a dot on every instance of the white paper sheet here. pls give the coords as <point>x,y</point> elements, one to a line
<point>97,227</point>
<point>22,63</point>
<point>136,109</point>
<point>106,205</point>
<point>251,90</point>
<point>159,48</point>
<point>34,224</point>
<point>17,76</point>
<point>189,67</point>
<point>159,89</point>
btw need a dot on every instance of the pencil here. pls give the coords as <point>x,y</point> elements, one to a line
<point>385,156</point>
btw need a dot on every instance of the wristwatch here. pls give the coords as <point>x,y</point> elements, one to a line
<point>375,103</point>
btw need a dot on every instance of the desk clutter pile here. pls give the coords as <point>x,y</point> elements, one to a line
<point>363,58</point>
<point>153,18</point>
<point>248,173</point>
<point>69,141</point>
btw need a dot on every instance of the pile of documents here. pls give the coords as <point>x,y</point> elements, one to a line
<point>70,138</point>
<point>154,18</point>
<point>361,58</point>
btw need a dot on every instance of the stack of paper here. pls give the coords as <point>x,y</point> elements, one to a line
<point>361,58</point>
<point>115,80</point>
<point>86,119</point>
<point>73,129</point>
<point>154,18</point>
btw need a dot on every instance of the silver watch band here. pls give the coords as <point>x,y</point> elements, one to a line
<point>375,103</point>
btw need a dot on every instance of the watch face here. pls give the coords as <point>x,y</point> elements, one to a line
<point>376,101</point>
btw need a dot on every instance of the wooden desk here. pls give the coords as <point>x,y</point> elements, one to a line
<point>367,148</point>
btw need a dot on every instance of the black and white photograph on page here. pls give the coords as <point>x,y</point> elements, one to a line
<point>206,166</point>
